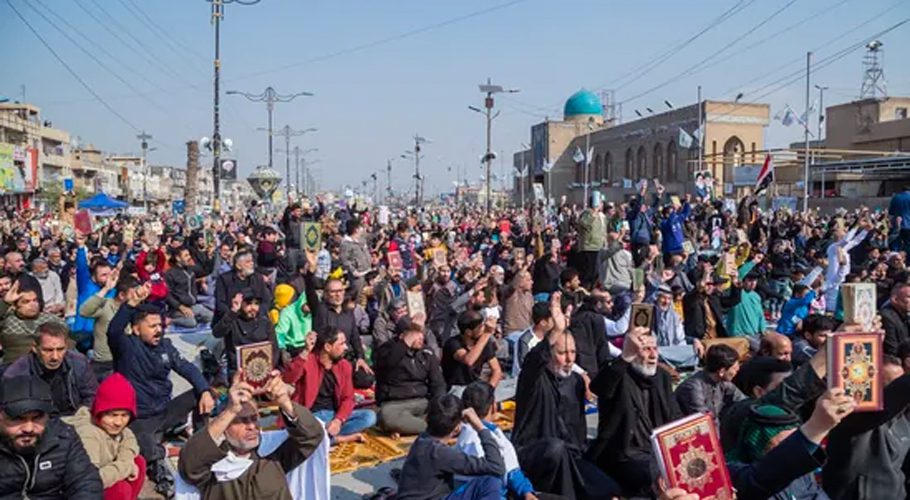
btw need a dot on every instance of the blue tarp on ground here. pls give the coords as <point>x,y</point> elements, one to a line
<point>102,202</point>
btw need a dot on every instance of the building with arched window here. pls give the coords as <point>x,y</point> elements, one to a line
<point>625,153</point>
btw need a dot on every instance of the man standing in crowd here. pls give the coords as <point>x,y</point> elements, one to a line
<point>185,309</point>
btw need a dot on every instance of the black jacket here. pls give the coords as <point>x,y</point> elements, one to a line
<point>181,288</point>
<point>228,285</point>
<point>867,450</point>
<point>324,317</point>
<point>60,468</point>
<point>897,329</point>
<point>80,380</point>
<point>237,331</point>
<point>694,311</point>
<point>590,331</point>
<point>546,275</point>
<point>403,373</point>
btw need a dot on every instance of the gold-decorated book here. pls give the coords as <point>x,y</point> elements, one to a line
<point>256,362</point>
<point>690,457</point>
<point>855,365</point>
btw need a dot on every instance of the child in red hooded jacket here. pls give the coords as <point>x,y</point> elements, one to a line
<point>150,267</point>
<point>110,444</point>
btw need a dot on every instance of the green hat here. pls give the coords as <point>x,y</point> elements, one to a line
<point>763,423</point>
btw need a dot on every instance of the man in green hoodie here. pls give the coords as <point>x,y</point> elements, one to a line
<point>747,319</point>
<point>294,324</point>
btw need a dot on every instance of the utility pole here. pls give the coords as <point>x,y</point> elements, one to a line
<point>269,96</point>
<point>489,89</point>
<point>821,118</point>
<point>388,170</point>
<point>287,132</point>
<point>375,187</point>
<point>418,140</point>
<point>145,168</point>
<point>217,15</point>
<point>701,136</point>
<point>806,134</point>
<point>297,171</point>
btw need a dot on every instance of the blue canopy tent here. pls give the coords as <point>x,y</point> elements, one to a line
<point>103,203</point>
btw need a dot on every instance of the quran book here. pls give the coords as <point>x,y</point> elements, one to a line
<point>859,303</point>
<point>415,304</point>
<point>642,315</point>
<point>730,263</point>
<point>688,247</point>
<point>855,365</point>
<point>395,260</point>
<point>439,257</point>
<point>82,221</point>
<point>256,362</point>
<point>311,236</point>
<point>690,457</point>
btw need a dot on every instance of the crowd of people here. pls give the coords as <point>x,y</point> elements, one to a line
<point>421,321</point>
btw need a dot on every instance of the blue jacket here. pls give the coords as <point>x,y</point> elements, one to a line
<point>794,311</point>
<point>148,368</point>
<point>671,230</point>
<point>641,224</point>
<point>85,287</point>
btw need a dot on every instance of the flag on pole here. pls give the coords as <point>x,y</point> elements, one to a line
<point>547,166</point>
<point>578,157</point>
<point>765,175</point>
<point>685,140</point>
<point>698,134</point>
<point>589,156</point>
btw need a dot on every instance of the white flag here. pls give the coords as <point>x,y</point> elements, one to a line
<point>578,157</point>
<point>547,166</point>
<point>685,140</point>
<point>590,156</point>
<point>698,133</point>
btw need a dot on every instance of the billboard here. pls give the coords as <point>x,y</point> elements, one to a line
<point>539,147</point>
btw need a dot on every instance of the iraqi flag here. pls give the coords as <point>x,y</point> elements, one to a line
<point>765,175</point>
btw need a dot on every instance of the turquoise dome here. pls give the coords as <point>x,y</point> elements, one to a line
<point>583,102</point>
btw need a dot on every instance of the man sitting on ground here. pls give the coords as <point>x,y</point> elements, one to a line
<point>324,383</point>
<point>776,345</point>
<point>431,464</point>
<point>221,460</point>
<point>407,377</point>
<point>68,374</point>
<point>40,456</point>
<point>22,315</point>
<point>815,330</point>
<point>712,389</point>
<point>464,355</point>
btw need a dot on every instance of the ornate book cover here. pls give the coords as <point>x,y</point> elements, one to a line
<point>642,315</point>
<point>415,304</point>
<point>83,222</point>
<point>256,362</point>
<point>859,303</point>
<point>311,236</point>
<point>439,257</point>
<point>855,364</point>
<point>690,457</point>
<point>395,260</point>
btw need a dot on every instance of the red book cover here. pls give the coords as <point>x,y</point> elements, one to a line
<point>690,457</point>
<point>83,222</point>
<point>855,365</point>
<point>395,260</point>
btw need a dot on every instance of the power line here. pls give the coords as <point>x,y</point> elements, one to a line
<point>69,69</point>
<point>382,41</point>
<point>168,37</point>
<point>695,67</point>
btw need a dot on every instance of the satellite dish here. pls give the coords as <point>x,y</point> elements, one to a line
<point>227,144</point>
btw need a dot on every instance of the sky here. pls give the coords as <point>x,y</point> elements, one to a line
<point>383,71</point>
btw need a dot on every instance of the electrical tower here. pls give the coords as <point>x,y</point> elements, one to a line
<point>874,73</point>
<point>612,110</point>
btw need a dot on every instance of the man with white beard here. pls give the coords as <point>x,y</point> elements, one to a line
<point>550,428</point>
<point>222,460</point>
<point>634,398</point>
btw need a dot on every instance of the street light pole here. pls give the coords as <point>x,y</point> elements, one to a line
<point>489,89</point>
<point>217,15</point>
<point>388,170</point>
<point>269,96</point>
<point>145,168</point>
<point>287,132</point>
<point>806,134</point>
<point>821,118</point>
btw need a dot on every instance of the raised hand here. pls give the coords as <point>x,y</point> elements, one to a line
<point>236,302</point>
<point>13,294</point>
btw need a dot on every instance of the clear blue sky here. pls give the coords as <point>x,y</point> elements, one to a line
<point>403,79</point>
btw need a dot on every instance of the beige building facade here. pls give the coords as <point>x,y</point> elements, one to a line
<point>647,148</point>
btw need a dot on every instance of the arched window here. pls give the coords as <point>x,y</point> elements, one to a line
<point>642,163</point>
<point>672,162</point>
<point>630,165</point>
<point>734,152</point>
<point>659,170</point>
<point>608,167</point>
<point>597,173</point>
